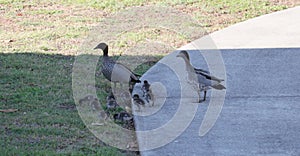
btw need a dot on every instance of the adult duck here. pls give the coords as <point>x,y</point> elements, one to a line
<point>205,80</point>
<point>114,71</point>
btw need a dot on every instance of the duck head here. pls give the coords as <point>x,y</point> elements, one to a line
<point>110,97</point>
<point>135,96</point>
<point>184,54</point>
<point>103,47</point>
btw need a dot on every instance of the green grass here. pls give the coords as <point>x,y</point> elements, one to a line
<point>47,122</point>
<point>36,79</point>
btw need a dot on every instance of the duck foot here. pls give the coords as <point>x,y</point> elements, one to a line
<point>200,101</point>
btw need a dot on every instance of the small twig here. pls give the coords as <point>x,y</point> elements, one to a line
<point>8,110</point>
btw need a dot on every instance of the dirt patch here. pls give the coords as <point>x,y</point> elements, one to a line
<point>289,3</point>
<point>51,27</point>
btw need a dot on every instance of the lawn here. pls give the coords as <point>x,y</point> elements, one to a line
<point>46,121</point>
<point>38,43</point>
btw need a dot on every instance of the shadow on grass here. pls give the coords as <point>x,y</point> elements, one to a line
<point>47,121</point>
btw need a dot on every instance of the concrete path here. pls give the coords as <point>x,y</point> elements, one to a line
<point>261,111</point>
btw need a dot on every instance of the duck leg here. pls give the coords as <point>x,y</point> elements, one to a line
<point>199,93</point>
<point>131,85</point>
<point>204,95</point>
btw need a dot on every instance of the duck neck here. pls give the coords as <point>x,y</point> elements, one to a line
<point>188,64</point>
<point>105,52</point>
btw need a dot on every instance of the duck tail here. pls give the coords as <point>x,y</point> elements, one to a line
<point>210,77</point>
<point>218,86</point>
<point>136,81</point>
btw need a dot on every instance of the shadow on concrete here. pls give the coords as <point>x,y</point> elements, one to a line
<point>260,115</point>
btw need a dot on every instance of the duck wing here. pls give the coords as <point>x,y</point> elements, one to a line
<point>123,71</point>
<point>218,86</point>
<point>209,77</point>
<point>117,72</point>
<point>198,70</point>
<point>205,82</point>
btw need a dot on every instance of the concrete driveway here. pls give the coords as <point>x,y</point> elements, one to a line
<point>260,114</point>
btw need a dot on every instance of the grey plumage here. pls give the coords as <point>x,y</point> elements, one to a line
<point>114,71</point>
<point>147,92</point>
<point>91,101</point>
<point>138,101</point>
<point>87,98</point>
<point>123,116</point>
<point>207,75</point>
<point>205,80</point>
<point>145,88</point>
<point>95,104</point>
<point>111,102</point>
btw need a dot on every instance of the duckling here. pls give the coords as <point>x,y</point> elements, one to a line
<point>111,101</point>
<point>87,98</point>
<point>138,101</point>
<point>114,71</point>
<point>205,80</point>
<point>110,97</point>
<point>147,92</point>
<point>122,116</point>
<point>145,88</point>
<point>91,101</point>
<point>111,104</point>
<point>96,106</point>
